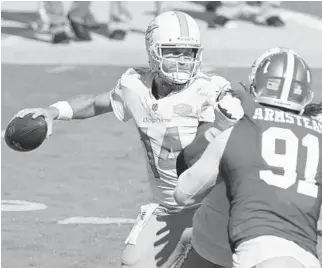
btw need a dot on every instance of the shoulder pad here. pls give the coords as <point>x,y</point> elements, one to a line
<point>142,70</point>
<point>204,76</point>
<point>222,82</point>
<point>215,86</point>
<point>134,75</point>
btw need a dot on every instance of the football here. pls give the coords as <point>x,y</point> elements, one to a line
<point>26,134</point>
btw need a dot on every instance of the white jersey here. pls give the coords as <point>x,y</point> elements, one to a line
<point>165,125</point>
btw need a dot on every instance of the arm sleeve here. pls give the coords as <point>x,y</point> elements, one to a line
<point>192,152</point>
<point>196,182</point>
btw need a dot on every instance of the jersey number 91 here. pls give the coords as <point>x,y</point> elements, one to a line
<point>288,160</point>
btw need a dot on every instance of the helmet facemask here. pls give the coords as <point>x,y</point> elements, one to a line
<point>177,64</point>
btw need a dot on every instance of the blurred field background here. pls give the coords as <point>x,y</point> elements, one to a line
<point>93,168</point>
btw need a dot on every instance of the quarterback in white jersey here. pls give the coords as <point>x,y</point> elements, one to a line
<point>165,125</point>
<point>168,102</point>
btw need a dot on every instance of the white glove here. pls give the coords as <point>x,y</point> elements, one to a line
<point>231,107</point>
<point>227,112</point>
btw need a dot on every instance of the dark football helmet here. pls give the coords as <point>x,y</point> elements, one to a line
<point>281,78</point>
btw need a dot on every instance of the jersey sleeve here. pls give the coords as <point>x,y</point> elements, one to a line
<point>117,97</point>
<point>209,95</point>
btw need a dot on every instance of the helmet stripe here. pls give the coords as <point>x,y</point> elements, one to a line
<point>184,28</point>
<point>288,76</point>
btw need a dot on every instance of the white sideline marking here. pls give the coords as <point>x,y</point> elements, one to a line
<point>21,205</point>
<point>302,18</point>
<point>95,220</point>
<point>16,24</point>
<point>60,69</point>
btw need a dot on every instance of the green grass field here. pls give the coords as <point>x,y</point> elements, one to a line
<point>87,168</point>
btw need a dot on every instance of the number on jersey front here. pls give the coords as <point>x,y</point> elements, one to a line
<point>171,147</point>
<point>288,160</point>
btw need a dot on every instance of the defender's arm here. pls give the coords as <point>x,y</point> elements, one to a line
<point>226,113</point>
<point>196,182</point>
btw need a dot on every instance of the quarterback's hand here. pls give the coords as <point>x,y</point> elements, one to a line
<point>47,113</point>
<point>231,107</point>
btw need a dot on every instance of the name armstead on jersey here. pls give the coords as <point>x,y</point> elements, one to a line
<point>278,116</point>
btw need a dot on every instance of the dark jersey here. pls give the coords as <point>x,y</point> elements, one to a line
<point>273,168</point>
<point>213,236</point>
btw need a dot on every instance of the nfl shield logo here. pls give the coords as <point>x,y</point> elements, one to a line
<point>154,107</point>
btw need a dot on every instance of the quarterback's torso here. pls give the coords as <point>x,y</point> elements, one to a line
<point>165,125</point>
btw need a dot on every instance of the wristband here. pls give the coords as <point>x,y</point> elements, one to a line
<point>222,122</point>
<point>64,109</point>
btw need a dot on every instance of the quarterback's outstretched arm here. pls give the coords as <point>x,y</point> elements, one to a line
<point>196,182</point>
<point>89,106</point>
<point>86,106</point>
<point>81,107</point>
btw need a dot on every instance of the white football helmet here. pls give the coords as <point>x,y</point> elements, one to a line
<point>174,29</point>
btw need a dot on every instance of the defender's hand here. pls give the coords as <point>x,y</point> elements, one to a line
<point>231,107</point>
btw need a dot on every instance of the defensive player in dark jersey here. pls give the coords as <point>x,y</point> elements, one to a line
<point>215,251</point>
<point>270,161</point>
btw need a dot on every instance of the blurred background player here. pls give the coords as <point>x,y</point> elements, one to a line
<point>265,13</point>
<point>55,21</point>
<point>167,102</point>
<point>119,11</point>
<point>158,7</point>
<point>121,18</point>
<point>271,163</point>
